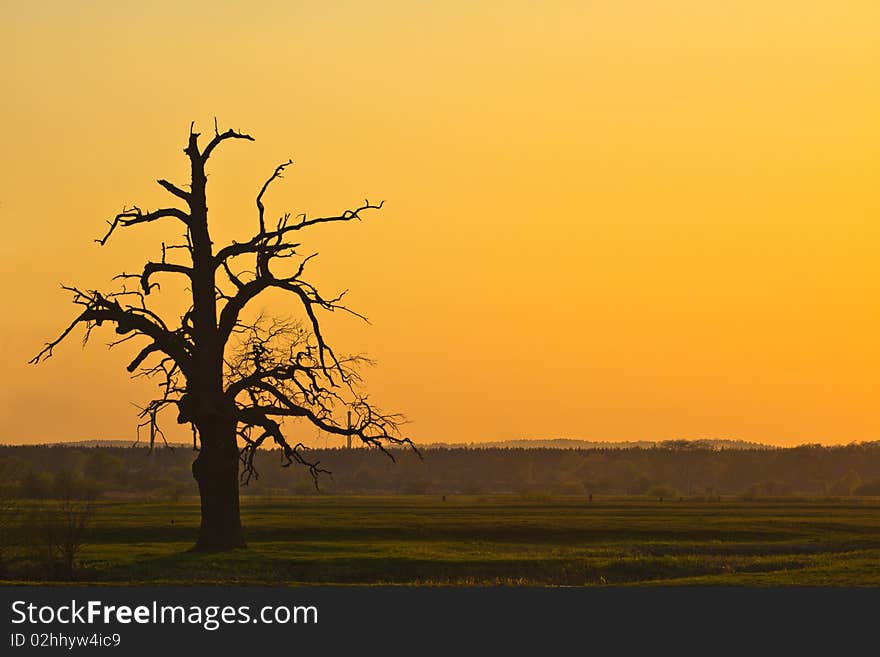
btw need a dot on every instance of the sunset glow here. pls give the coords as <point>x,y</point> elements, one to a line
<point>620,220</point>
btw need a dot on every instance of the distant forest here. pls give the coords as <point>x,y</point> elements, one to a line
<point>672,469</point>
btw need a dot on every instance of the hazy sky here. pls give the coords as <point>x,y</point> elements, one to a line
<point>610,220</point>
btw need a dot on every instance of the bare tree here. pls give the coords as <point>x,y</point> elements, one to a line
<point>234,381</point>
<point>59,533</point>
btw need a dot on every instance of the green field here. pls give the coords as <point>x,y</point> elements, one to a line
<point>507,540</point>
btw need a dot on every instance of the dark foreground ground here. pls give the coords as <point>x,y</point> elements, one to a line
<point>511,540</point>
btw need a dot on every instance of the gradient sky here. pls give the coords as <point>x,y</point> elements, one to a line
<point>611,220</point>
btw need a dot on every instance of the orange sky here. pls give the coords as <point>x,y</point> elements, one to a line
<point>615,220</point>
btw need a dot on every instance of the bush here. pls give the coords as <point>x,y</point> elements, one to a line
<point>415,487</point>
<point>661,491</point>
<point>9,514</point>
<point>640,486</point>
<point>571,488</point>
<point>36,485</point>
<point>57,533</point>
<point>847,484</point>
<point>869,488</point>
<point>767,488</point>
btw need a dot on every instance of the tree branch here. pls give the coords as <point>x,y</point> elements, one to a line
<point>136,216</point>
<point>174,189</point>
<point>276,174</point>
<point>221,137</point>
<point>158,267</point>
<point>100,309</point>
<point>260,242</point>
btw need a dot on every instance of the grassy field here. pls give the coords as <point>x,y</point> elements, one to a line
<point>508,540</point>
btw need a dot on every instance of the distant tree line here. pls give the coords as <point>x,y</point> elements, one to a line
<point>674,469</point>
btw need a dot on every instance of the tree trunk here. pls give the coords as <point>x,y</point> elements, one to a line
<point>216,471</point>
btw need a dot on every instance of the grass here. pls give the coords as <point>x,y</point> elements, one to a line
<point>507,540</point>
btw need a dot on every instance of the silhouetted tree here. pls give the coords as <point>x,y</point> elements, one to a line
<point>234,381</point>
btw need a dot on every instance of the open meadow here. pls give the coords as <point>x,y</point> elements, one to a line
<point>491,540</point>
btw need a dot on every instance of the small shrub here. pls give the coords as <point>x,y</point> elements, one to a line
<point>57,534</point>
<point>869,488</point>
<point>661,491</point>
